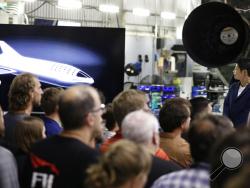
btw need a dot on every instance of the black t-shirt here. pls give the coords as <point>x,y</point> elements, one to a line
<point>10,121</point>
<point>160,167</point>
<point>59,162</point>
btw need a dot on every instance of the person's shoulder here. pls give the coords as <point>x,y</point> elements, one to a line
<point>234,85</point>
<point>4,151</point>
<point>164,164</point>
<point>49,141</point>
<point>5,155</point>
<point>174,178</point>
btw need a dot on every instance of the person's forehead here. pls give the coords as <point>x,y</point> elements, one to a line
<point>37,82</point>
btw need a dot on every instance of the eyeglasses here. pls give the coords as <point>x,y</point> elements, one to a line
<point>102,109</point>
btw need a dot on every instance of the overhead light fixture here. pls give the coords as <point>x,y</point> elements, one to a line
<point>109,8</point>
<point>168,15</point>
<point>141,12</point>
<point>72,4</point>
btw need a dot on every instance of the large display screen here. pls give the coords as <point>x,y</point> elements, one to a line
<point>63,56</point>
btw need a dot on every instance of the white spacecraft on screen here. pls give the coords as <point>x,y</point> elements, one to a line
<point>11,62</point>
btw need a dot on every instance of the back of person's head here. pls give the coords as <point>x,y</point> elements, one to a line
<point>28,131</point>
<point>140,126</point>
<point>50,98</point>
<point>238,140</point>
<point>203,134</point>
<point>108,117</point>
<point>174,113</point>
<point>244,64</point>
<point>200,105</point>
<point>75,104</point>
<point>20,91</point>
<point>224,125</point>
<point>128,101</point>
<point>240,180</point>
<point>124,162</point>
<point>102,96</point>
<point>1,123</point>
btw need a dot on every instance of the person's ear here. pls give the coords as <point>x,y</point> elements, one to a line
<point>245,73</point>
<point>156,139</point>
<point>89,120</point>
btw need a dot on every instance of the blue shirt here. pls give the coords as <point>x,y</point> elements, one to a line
<point>51,127</point>
<point>196,177</point>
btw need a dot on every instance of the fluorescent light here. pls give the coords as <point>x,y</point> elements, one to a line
<point>69,4</point>
<point>168,15</point>
<point>68,23</point>
<point>141,12</point>
<point>109,8</point>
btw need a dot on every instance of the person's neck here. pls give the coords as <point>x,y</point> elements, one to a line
<point>175,133</point>
<point>151,148</point>
<point>245,82</point>
<point>27,111</point>
<point>83,135</point>
<point>125,185</point>
<point>55,117</point>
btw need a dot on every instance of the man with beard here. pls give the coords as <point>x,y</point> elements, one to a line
<point>24,93</point>
<point>61,160</point>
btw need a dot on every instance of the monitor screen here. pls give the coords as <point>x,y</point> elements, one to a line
<point>157,95</point>
<point>63,56</point>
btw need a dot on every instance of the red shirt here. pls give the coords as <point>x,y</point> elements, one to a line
<point>107,143</point>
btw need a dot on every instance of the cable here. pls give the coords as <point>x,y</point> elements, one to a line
<point>37,8</point>
<point>117,20</point>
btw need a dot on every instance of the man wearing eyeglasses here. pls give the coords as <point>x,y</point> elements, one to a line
<point>61,160</point>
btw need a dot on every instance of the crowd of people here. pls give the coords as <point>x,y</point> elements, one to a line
<point>80,143</point>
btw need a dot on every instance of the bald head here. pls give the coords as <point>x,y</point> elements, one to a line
<point>74,104</point>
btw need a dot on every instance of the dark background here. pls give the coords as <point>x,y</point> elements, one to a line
<point>97,51</point>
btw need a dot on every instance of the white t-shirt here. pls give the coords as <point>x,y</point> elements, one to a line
<point>240,90</point>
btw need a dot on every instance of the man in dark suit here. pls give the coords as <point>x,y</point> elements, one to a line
<point>237,102</point>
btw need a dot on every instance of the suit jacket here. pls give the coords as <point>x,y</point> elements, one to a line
<point>237,107</point>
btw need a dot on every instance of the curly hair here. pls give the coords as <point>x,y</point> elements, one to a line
<point>19,92</point>
<point>124,161</point>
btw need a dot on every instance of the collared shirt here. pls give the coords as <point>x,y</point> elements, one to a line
<point>51,127</point>
<point>195,177</point>
<point>177,149</point>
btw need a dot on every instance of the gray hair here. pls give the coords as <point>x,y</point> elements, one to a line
<point>139,126</point>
